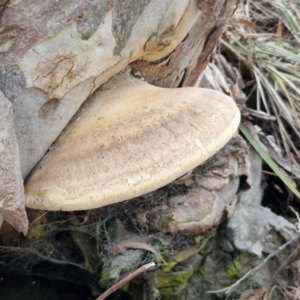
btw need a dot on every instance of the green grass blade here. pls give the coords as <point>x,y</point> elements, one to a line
<point>265,156</point>
<point>279,51</point>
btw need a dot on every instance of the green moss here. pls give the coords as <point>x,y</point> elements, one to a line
<point>35,231</point>
<point>170,284</point>
<point>233,271</point>
<point>125,287</point>
<point>168,268</point>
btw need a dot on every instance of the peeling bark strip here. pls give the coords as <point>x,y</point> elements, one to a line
<point>12,200</point>
<point>222,10</point>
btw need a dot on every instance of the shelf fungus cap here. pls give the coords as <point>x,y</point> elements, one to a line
<point>129,139</point>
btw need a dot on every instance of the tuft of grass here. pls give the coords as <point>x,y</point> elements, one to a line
<point>263,42</point>
<point>266,157</point>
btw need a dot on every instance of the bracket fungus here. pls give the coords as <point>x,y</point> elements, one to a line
<point>129,139</point>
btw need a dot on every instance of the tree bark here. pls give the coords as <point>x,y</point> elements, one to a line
<point>54,55</point>
<point>12,199</point>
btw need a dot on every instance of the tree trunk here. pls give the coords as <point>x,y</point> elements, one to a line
<point>53,56</point>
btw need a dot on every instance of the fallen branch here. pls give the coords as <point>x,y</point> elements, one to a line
<point>126,279</point>
<point>228,289</point>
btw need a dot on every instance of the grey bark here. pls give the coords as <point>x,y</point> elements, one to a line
<point>12,199</point>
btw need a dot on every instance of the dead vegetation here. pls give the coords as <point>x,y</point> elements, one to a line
<point>262,41</point>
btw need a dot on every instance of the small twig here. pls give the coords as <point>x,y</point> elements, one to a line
<point>126,279</point>
<point>228,289</point>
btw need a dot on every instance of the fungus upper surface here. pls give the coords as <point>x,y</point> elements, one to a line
<point>129,139</point>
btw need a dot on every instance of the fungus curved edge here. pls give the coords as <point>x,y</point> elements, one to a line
<point>129,139</point>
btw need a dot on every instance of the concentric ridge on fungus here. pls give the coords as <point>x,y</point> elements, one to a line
<point>129,139</point>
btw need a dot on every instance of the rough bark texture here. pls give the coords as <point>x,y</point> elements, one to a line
<point>185,64</point>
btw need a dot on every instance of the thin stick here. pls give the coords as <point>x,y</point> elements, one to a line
<point>126,279</point>
<point>228,289</point>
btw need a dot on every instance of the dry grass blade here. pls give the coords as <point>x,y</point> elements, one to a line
<point>269,160</point>
<point>278,51</point>
<point>267,46</point>
<point>282,81</point>
<point>289,16</point>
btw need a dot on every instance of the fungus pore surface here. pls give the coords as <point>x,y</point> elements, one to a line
<point>130,138</point>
